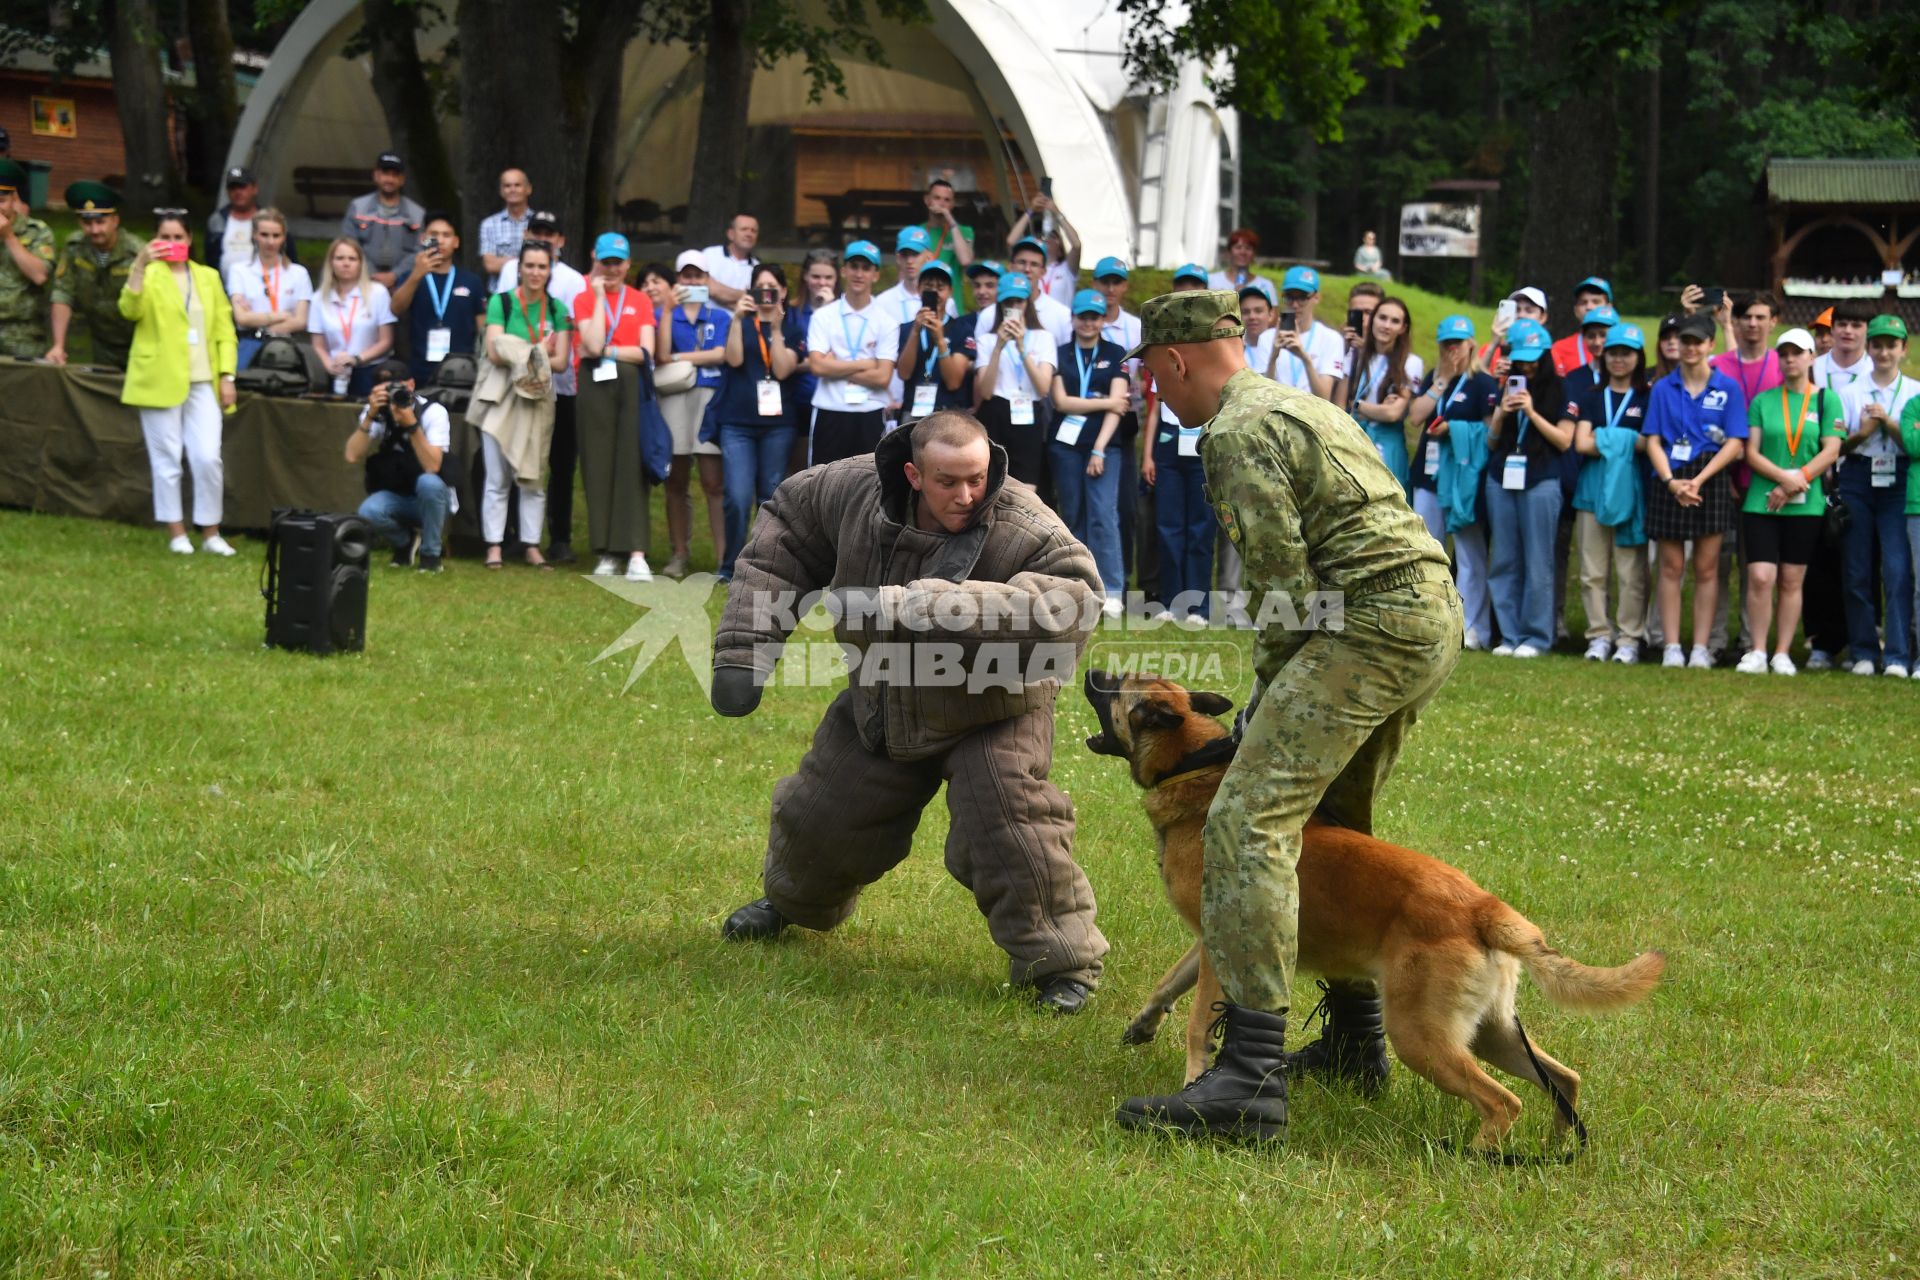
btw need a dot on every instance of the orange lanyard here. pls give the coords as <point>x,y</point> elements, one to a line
<point>346,315</point>
<point>1794,433</point>
<point>766,357</point>
<point>272,287</point>
<point>536,325</point>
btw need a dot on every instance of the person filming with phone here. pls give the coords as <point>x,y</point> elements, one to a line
<point>403,440</point>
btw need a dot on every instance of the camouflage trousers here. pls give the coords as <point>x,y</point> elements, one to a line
<point>27,340</point>
<point>1324,735</point>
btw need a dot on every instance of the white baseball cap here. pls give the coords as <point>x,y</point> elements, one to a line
<point>690,258</point>
<point>1795,338</point>
<point>1529,294</point>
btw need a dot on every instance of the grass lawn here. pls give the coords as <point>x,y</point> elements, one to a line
<point>407,963</point>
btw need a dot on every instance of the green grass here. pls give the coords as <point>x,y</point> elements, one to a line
<point>407,963</point>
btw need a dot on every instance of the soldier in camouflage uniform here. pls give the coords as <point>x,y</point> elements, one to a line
<point>91,271</point>
<point>26,268</point>
<point>1301,491</point>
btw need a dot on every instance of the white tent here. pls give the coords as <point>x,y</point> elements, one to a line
<point>1147,179</point>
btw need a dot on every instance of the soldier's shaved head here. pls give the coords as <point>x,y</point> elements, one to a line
<point>949,427</point>
<point>1190,376</point>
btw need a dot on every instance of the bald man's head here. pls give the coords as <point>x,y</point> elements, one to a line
<point>1190,342</point>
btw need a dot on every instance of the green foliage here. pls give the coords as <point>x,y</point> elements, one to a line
<point>776,30</point>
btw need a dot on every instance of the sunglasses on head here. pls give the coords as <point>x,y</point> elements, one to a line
<point>169,213</point>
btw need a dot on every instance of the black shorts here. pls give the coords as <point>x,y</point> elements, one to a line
<point>839,434</point>
<point>1769,539</point>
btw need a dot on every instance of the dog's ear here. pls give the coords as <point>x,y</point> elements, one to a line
<point>1148,714</point>
<point>1210,704</point>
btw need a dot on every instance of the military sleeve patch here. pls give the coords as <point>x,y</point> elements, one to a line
<point>1229,522</point>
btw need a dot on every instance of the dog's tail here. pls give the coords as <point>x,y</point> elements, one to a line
<point>1567,982</point>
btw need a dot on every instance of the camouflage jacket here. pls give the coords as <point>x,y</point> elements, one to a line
<point>22,303</point>
<point>92,289</point>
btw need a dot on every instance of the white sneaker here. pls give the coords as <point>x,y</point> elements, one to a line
<point>1700,659</point>
<point>1864,667</point>
<point>1503,650</point>
<point>1165,615</point>
<point>1473,643</point>
<point>1628,654</point>
<point>1753,663</point>
<point>180,545</point>
<point>606,567</point>
<point>1525,651</point>
<point>1112,607</point>
<point>215,545</point>
<point>1819,660</point>
<point>1599,650</point>
<point>637,570</point>
<point>1895,670</point>
<point>1782,665</point>
<point>1675,657</point>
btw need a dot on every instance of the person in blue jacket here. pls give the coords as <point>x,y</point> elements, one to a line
<point>1455,392</point>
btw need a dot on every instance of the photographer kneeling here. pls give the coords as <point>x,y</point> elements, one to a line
<point>404,441</point>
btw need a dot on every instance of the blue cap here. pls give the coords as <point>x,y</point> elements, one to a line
<point>1190,271</point>
<point>1111,267</point>
<point>914,238</point>
<point>1015,285</point>
<point>611,245</point>
<point>1089,300</point>
<point>1454,327</point>
<point>985,267</point>
<point>1530,340</point>
<point>1600,315</point>
<point>1260,288</point>
<point>1300,280</point>
<point>862,249</point>
<point>1595,282</point>
<point>937,268</point>
<point>1028,242</point>
<point>1626,335</point>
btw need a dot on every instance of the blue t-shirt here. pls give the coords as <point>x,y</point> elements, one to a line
<point>926,369</point>
<point>1090,375</point>
<point>1687,425</point>
<point>703,333</point>
<point>738,402</point>
<point>453,301</point>
<point>1469,398</point>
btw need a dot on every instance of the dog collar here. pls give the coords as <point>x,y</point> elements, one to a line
<point>1214,754</point>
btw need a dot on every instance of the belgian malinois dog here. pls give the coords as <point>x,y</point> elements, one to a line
<point>1445,953</point>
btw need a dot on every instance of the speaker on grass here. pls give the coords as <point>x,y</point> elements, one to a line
<point>316,581</point>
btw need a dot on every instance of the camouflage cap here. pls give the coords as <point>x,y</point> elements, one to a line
<point>1193,315</point>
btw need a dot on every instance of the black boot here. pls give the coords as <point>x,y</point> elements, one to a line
<point>1243,1095</point>
<point>1063,995</point>
<point>1354,1045</point>
<point>755,922</point>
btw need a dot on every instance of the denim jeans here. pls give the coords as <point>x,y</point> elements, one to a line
<point>394,516</point>
<point>1524,526</point>
<point>1186,526</point>
<point>1881,514</point>
<point>1469,562</point>
<point>1090,507</point>
<point>754,460</point>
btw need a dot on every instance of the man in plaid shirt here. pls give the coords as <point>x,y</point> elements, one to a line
<point>501,233</point>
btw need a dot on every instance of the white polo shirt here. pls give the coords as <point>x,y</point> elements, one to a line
<point>848,334</point>
<point>735,273</point>
<point>1828,373</point>
<point>1325,347</point>
<point>1056,317</point>
<point>1011,380</point>
<point>1894,397</point>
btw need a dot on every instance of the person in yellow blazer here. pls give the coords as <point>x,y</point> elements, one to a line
<point>180,376</point>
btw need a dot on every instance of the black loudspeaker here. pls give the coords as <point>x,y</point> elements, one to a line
<point>316,581</point>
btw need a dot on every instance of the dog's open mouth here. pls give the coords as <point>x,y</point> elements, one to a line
<point>1101,690</point>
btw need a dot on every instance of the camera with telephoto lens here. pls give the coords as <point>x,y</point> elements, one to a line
<point>399,396</point>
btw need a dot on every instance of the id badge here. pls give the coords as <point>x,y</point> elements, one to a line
<point>1883,471</point>
<point>1514,474</point>
<point>1682,451</point>
<point>857,394</point>
<point>1432,465</point>
<point>193,336</point>
<point>1799,499</point>
<point>1189,442</point>
<point>439,343</point>
<point>923,397</point>
<point>1021,413</point>
<point>1069,432</point>
<point>605,370</point>
<point>770,403</point>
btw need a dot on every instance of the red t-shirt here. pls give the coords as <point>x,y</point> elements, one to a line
<point>630,309</point>
<point>1570,353</point>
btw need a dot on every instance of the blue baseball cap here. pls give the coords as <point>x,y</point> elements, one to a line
<point>1190,271</point>
<point>1600,315</point>
<point>862,249</point>
<point>1530,340</point>
<point>1627,335</point>
<point>1111,268</point>
<point>1015,285</point>
<point>1258,289</point>
<point>1454,328</point>
<point>1597,284</point>
<point>913,238</point>
<point>937,268</point>
<point>1089,300</point>
<point>611,245</point>
<point>1028,242</point>
<point>985,267</point>
<point>1300,280</point>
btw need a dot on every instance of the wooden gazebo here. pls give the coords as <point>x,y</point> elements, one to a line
<point>1878,199</point>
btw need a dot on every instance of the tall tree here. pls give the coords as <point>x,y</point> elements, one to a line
<point>407,96</point>
<point>215,100</point>
<point>140,95</point>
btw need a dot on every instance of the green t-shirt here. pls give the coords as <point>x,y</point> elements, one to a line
<point>515,322</point>
<point>1910,437</point>
<point>1769,415</point>
<point>942,236</point>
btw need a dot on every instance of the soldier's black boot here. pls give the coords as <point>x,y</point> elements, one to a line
<point>1242,1096</point>
<point>1353,1047</point>
<point>756,921</point>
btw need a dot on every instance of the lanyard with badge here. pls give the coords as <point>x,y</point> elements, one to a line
<point>1795,433</point>
<point>1431,464</point>
<point>925,390</point>
<point>856,394</point>
<point>1682,450</point>
<point>1513,472</point>
<point>1019,407</point>
<point>439,337</point>
<point>271,286</point>
<point>607,369</point>
<point>1885,464</point>
<point>186,309</point>
<point>1615,416</point>
<point>1071,426</point>
<point>770,405</point>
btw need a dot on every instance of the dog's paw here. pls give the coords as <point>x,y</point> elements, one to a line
<point>1142,1029</point>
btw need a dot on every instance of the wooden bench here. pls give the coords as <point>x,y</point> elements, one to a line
<point>315,182</point>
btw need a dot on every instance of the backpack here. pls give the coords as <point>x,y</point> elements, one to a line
<point>284,367</point>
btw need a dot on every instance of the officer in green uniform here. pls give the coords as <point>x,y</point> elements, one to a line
<point>26,268</point>
<point>89,274</point>
<point>1300,490</point>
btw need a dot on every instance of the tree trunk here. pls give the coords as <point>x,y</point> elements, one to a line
<point>407,102</point>
<point>138,91</point>
<point>1306,227</point>
<point>1650,188</point>
<point>603,167</point>
<point>1572,230</point>
<point>715,195</point>
<point>216,104</point>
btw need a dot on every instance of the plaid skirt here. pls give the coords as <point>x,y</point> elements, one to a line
<point>1668,521</point>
